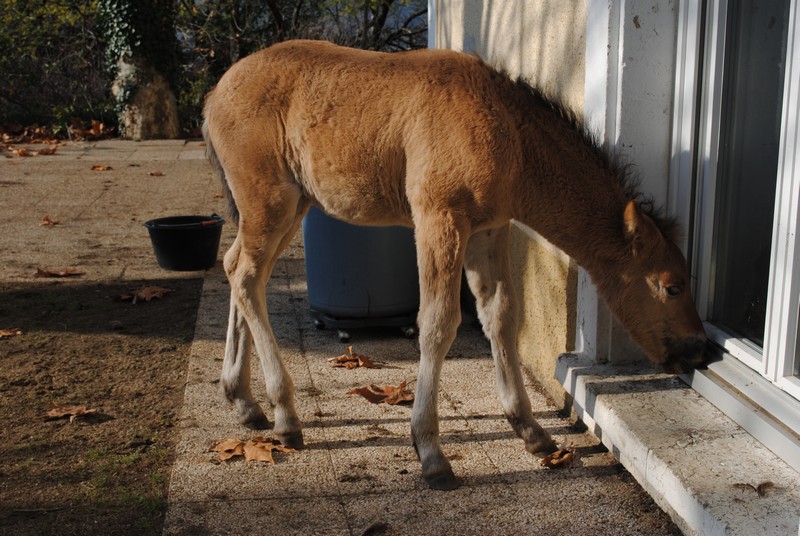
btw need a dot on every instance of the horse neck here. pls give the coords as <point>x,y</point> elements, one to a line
<point>568,194</point>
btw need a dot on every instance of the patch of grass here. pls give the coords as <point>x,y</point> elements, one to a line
<point>150,502</point>
<point>94,455</point>
<point>127,460</point>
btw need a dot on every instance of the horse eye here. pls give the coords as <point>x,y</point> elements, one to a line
<point>673,291</point>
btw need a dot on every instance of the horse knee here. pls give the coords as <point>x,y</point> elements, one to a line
<point>438,326</point>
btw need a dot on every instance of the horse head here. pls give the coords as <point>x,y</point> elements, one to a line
<point>654,302</point>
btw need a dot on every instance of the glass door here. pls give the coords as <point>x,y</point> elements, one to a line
<point>747,273</point>
<point>750,126</point>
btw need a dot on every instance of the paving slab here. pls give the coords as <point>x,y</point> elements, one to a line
<point>692,459</point>
<point>359,473</point>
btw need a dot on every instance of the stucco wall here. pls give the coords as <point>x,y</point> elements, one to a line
<point>544,43</point>
<point>545,280</point>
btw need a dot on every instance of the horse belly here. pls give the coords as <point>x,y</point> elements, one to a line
<point>352,179</point>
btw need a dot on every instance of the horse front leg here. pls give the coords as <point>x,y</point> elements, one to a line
<point>488,274</point>
<point>439,258</point>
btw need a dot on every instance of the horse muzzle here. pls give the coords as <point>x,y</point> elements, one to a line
<point>686,355</point>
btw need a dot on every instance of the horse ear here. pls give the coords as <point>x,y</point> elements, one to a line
<point>640,230</point>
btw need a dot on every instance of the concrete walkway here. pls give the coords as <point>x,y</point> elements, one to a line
<point>358,474</point>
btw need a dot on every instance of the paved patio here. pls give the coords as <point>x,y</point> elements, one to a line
<point>358,474</point>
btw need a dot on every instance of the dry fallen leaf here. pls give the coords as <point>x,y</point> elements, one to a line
<point>29,152</point>
<point>11,332</point>
<point>97,130</point>
<point>73,412</point>
<point>560,459</point>
<point>760,489</point>
<point>352,360</point>
<point>48,222</point>
<point>144,294</point>
<point>228,448</point>
<point>257,449</point>
<point>48,151</point>
<point>386,394</point>
<point>66,272</point>
<point>101,167</point>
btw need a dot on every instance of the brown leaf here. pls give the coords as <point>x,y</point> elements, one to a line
<point>560,459</point>
<point>386,394</point>
<point>144,294</point>
<point>66,272</point>
<point>228,448</point>
<point>352,360</point>
<point>96,131</point>
<point>258,452</point>
<point>257,449</point>
<point>155,173</point>
<point>30,152</point>
<point>760,489</point>
<point>8,333</point>
<point>48,222</point>
<point>260,449</point>
<point>73,412</point>
<point>101,167</point>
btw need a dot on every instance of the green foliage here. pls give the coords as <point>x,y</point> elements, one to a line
<point>141,30</point>
<point>51,66</point>
<point>140,41</point>
<point>60,56</point>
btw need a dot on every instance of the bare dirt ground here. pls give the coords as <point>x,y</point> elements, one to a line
<point>107,472</point>
<point>104,473</point>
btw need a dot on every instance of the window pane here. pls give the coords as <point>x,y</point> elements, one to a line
<point>796,368</point>
<point>748,161</point>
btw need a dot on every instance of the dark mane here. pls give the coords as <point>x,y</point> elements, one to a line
<point>620,167</point>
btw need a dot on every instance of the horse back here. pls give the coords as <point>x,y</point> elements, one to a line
<point>370,137</point>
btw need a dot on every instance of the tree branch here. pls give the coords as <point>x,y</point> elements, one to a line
<point>280,22</point>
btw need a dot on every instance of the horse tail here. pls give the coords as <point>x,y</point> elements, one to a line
<point>233,210</point>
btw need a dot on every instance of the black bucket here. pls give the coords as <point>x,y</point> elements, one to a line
<point>186,243</point>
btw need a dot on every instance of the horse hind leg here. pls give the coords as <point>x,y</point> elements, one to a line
<point>235,379</point>
<point>488,275</point>
<point>248,265</point>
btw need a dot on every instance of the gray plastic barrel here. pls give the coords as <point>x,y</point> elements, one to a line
<point>359,276</point>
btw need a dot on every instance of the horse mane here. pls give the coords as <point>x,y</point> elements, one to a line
<point>618,165</point>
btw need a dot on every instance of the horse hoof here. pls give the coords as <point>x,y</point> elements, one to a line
<point>293,440</point>
<point>258,422</point>
<point>443,481</point>
<point>541,450</point>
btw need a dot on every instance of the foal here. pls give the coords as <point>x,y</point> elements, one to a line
<point>438,141</point>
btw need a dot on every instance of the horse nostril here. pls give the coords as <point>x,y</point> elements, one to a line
<point>702,355</point>
<point>687,355</point>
